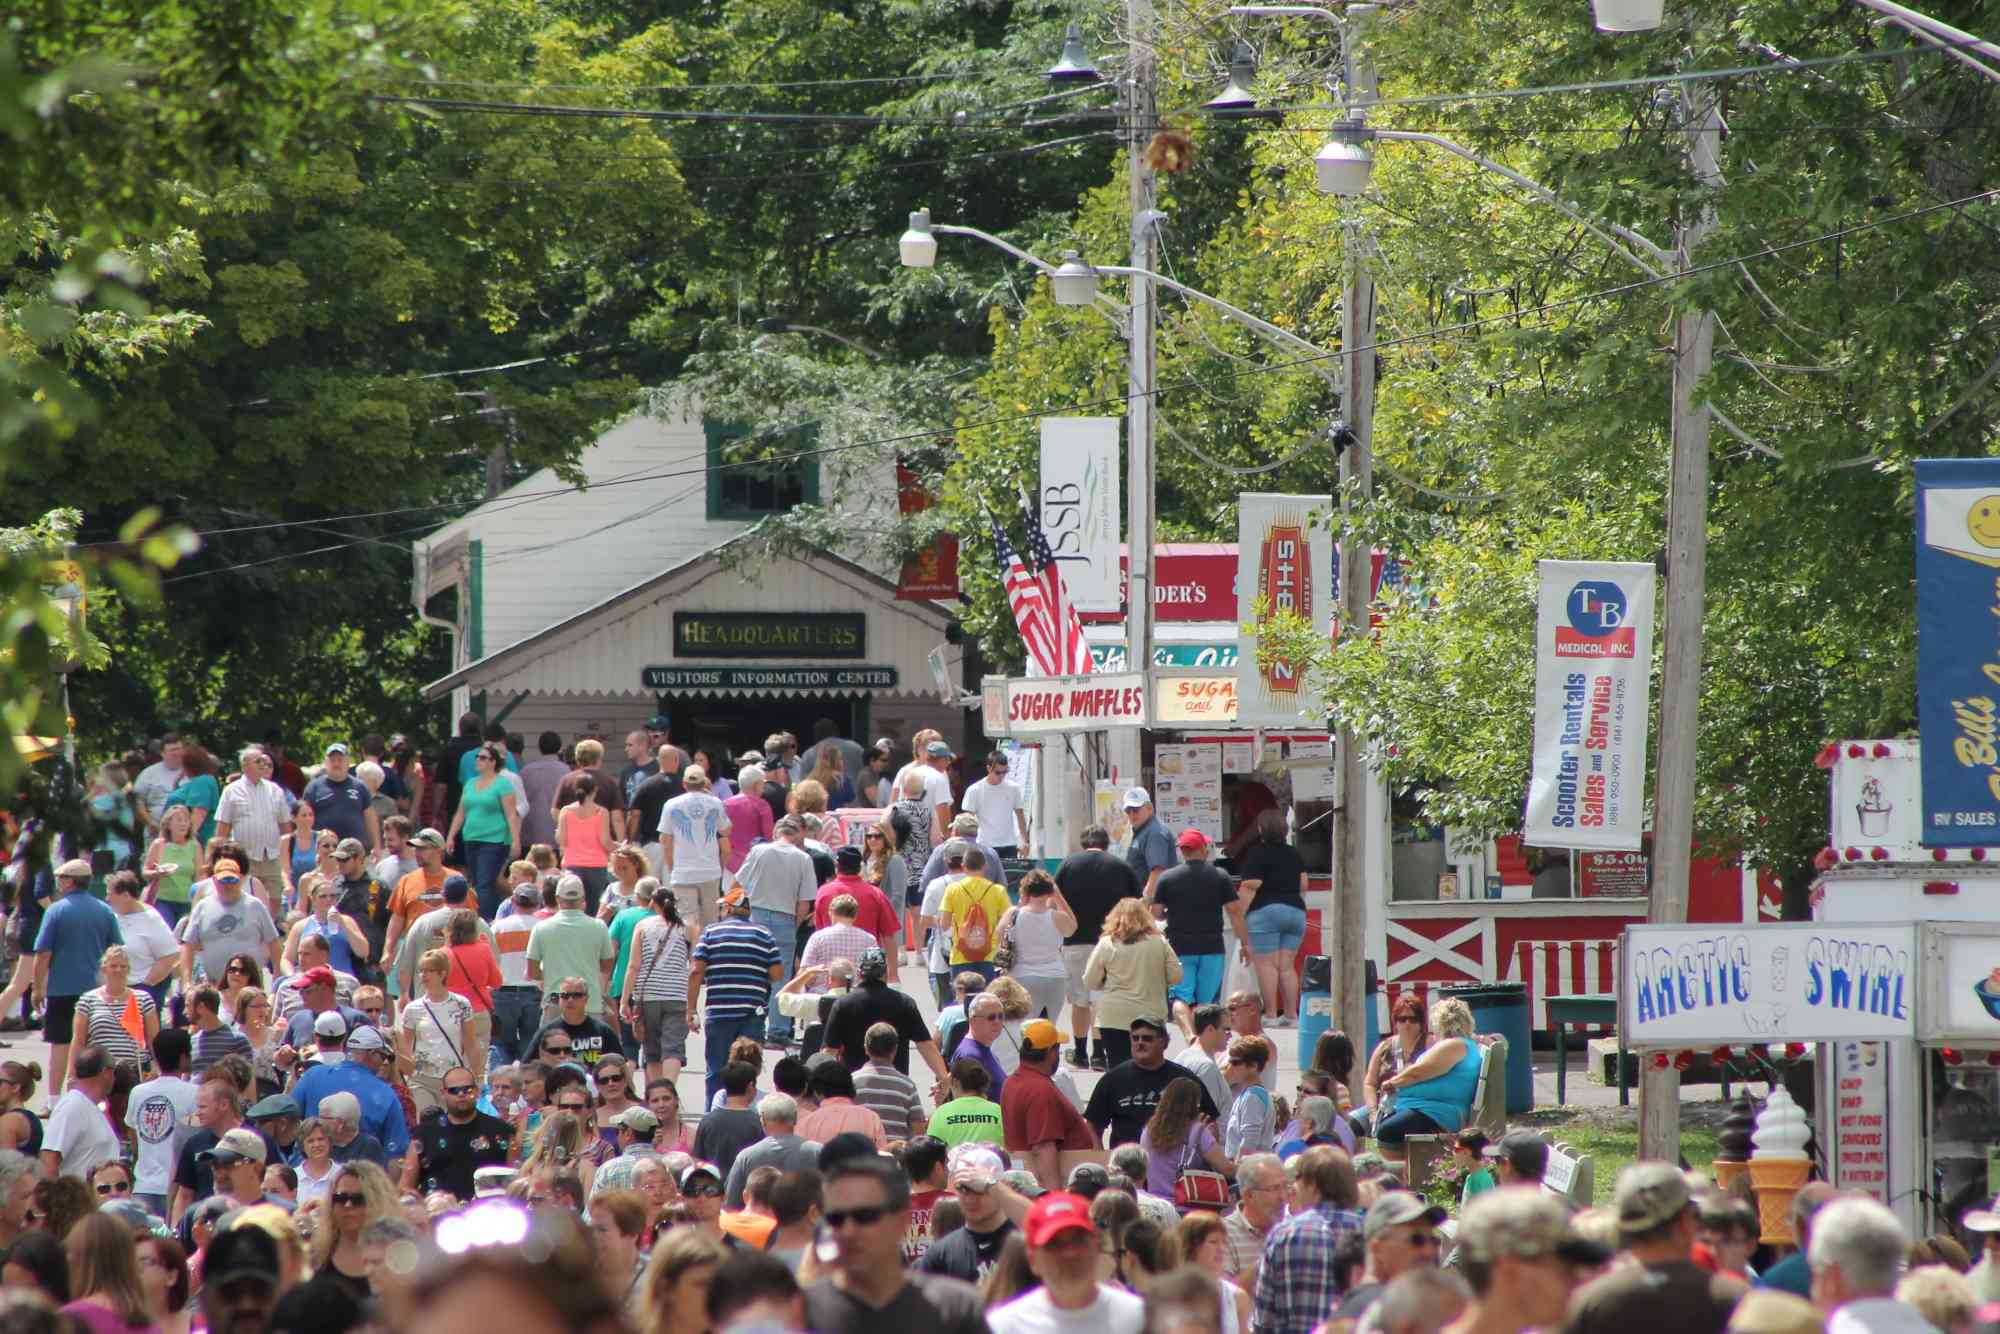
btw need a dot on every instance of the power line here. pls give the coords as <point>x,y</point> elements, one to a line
<point>1004,419</point>
<point>964,121</point>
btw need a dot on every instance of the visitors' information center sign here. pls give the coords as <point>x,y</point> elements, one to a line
<point>754,634</point>
<point>1790,982</point>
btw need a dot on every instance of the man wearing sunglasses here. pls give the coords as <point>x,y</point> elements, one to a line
<point>1124,1099</point>
<point>867,1213</point>
<point>453,1142</point>
<point>1400,1230</point>
<point>590,1039</point>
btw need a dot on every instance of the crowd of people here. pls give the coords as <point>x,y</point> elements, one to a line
<point>388,1044</point>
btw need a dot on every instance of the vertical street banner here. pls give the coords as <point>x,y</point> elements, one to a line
<point>1284,563</point>
<point>1593,689</point>
<point>1958,650</point>
<point>931,574</point>
<point>1079,505</point>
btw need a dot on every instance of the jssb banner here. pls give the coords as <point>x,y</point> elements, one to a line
<point>1593,677</point>
<point>1958,650</point>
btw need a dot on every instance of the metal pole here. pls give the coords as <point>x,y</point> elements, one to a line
<point>1139,412</point>
<point>1346,925</point>
<point>1680,674</point>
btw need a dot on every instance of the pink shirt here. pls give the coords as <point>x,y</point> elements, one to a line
<point>876,917</point>
<point>838,1116</point>
<point>749,820</point>
<point>839,941</point>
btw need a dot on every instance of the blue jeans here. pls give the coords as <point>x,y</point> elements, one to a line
<point>784,927</point>
<point>517,1013</point>
<point>483,864</point>
<point>717,1035</point>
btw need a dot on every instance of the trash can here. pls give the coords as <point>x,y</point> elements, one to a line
<point>1502,1008</point>
<point>1374,1027</point>
<point>1315,1004</point>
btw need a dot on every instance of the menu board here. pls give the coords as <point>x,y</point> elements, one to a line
<point>1187,788</point>
<point>1861,1118</point>
<point>1239,756</point>
<point>1612,875</point>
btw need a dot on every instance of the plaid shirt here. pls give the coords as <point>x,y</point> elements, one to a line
<point>1298,1287</point>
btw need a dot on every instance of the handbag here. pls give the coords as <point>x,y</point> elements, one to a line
<point>1198,1187</point>
<point>1003,958</point>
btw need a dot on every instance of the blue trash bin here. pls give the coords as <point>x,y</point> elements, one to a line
<point>1315,1004</point>
<point>1502,1008</point>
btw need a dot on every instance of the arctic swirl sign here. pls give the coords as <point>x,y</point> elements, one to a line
<point>1593,674</point>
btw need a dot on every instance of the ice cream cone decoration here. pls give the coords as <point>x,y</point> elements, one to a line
<point>1779,1164</point>
<point>1732,1157</point>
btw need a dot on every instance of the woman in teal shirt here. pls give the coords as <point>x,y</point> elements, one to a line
<point>1434,1092</point>
<point>487,826</point>
<point>198,791</point>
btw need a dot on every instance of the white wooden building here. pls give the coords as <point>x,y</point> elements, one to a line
<point>587,610</point>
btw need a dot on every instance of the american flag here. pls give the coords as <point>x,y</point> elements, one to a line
<point>1042,611</point>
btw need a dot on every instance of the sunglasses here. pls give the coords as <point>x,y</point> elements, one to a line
<point>461,1090</point>
<point>235,968</point>
<point>873,834</point>
<point>1137,1038</point>
<point>577,1108</point>
<point>863,1217</point>
<point>712,1191</point>
<point>555,1051</point>
<point>114,1188</point>
<point>352,1199</point>
<point>574,995</point>
<point>371,1010</point>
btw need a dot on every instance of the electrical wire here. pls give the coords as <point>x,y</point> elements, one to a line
<point>964,121</point>
<point>1111,400</point>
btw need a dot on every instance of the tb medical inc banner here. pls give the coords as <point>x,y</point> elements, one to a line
<point>1593,679</point>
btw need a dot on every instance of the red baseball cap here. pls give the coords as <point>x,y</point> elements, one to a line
<point>1055,1213</point>
<point>1193,838</point>
<point>321,976</point>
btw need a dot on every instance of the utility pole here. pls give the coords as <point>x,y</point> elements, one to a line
<point>1687,576</point>
<point>1140,116</point>
<point>1352,836</point>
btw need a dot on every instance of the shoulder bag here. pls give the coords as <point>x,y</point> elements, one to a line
<point>1198,1187</point>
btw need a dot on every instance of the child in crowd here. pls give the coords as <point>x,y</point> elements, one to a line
<point>1466,1151</point>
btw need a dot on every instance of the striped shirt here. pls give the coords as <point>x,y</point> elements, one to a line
<point>255,813</point>
<point>102,1023</point>
<point>510,942</point>
<point>740,956</point>
<point>212,1044</point>
<point>891,1095</point>
<point>667,980</point>
<point>839,941</point>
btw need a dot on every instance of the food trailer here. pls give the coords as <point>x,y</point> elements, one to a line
<point>1896,979</point>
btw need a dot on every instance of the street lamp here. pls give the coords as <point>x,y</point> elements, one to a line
<point>1073,66</point>
<point>918,246</point>
<point>1629,15</point>
<point>1236,99</point>
<point>1342,167</point>
<point>1074,282</point>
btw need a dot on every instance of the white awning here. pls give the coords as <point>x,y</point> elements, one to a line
<point>626,645</point>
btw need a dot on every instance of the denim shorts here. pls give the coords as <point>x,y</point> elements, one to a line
<point>1276,928</point>
<point>1201,979</point>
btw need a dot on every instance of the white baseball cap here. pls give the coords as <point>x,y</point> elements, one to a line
<point>1135,797</point>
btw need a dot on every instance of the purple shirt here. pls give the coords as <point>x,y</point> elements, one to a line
<point>103,1320</point>
<point>1163,1169</point>
<point>749,820</point>
<point>971,1048</point>
<point>540,779</point>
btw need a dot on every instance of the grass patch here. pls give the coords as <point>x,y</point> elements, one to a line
<point>1612,1149</point>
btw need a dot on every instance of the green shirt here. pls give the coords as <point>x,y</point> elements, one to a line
<point>622,926</point>
<point>572,944</point>
<point>968,1120</point>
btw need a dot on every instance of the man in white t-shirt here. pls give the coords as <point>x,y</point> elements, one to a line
<point>159,1113</point>
<point>1000,808</point>
<point>694,846</point>
<point>79,1138</point>
<point>1062,1251</point>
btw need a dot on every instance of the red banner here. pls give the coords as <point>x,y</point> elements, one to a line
<point>932,573</point>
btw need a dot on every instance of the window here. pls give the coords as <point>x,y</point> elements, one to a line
<point>743,489</point>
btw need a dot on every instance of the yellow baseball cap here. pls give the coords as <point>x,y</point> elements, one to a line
<point>1042,1035</point>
